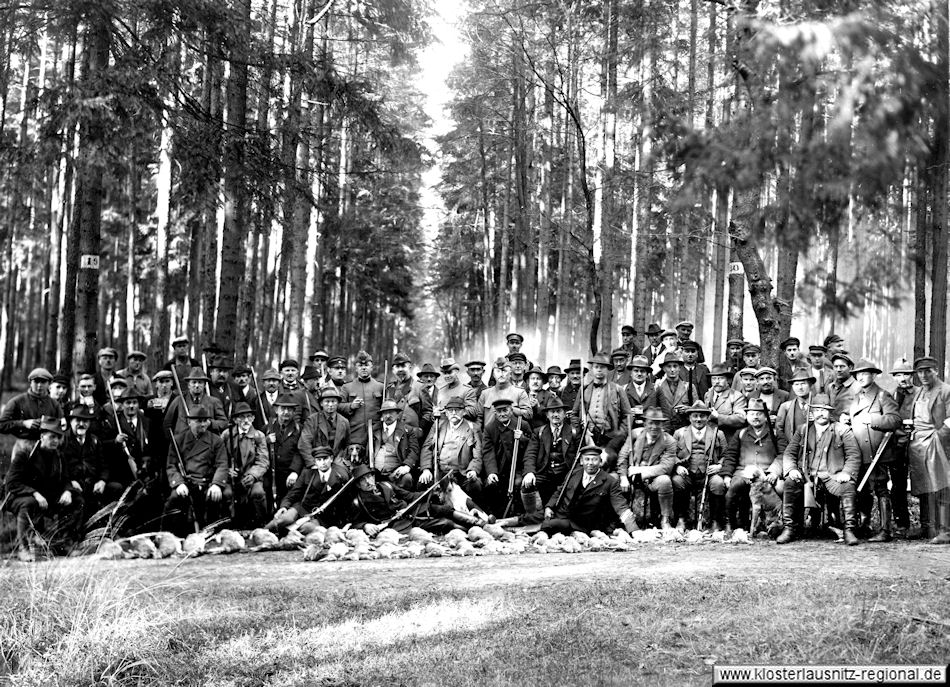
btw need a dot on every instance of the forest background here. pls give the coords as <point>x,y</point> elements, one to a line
<point>259,173</point>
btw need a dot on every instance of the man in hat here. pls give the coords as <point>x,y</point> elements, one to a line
<point>606,408</point>
<point>241,375</point>
<point>751,454</point>
<point>362,399</point>
<point>521,405</point>
<point>746,385</point>
<point>401,385</point>
<point>498,448</point>
<point>41,492</point>
<point>270,381</point>
<point>248,464</point>
<point>591,500</point>
<point>825,454</point>
<point>641,393</point>
<point>834,344</point>
<point>647,461</point>
<point>627,335</point>
<point>699,451</point>
<point>548,457</point>
<point>196,394</point>
<point>106,359</point>
<point>727,405</point>
<point>652,351</point>
<point>794,412</point>
<point>197,467</point>
<point>684,332</point>
<point>291,384</point>
<point>452,387</point>
<point>86,461</point>
<point>312,383</point>
<point>671,346</point>
<point>397,447</point>
<point>423,400</point>
<point>316,486</point>
<point>538,396</point>
<point>819,367</point>
<point>135,374</point>
<point>319,360</point>
<point>841,389</point>
<point>873,413</point>
<point>59,388</point>
<point>903,373</point>
<point>453,444</point>
<point>673,395</point>
<point>555,377</point>
<point>336,368</point>
<point>475,370</point>
<point>575,376</point>
<point>790,362</point>
<point>163,386</point>
<point>767,390</point>
<point>21,415</point>
<point>129,455</point>
<point>519,366</point>
<point>283,435</point>
<point>692,371</point>
<point>221,386</point>
<point>619,359</point>
<point>328,428</point>
<point>751,360</point>
<point>929,447</point>
<point>117,386</point>
<point>734,354</point>
<point>181,357</point>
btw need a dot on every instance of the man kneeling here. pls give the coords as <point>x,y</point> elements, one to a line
<point>591,500</point>
<point>376,503</point>
<point>315,491</point>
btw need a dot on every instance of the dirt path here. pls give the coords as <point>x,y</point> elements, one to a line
<point>758,562</point>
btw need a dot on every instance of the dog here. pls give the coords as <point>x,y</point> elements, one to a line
<point>766,503</point>
<point>355,455</point>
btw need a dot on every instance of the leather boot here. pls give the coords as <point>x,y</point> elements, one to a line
<point>849,506</point>
<point>24,537</point>
<point>887,514</point>
<point>717,512</point>
<point>469,520</point>
<point>926,529</point>
<point>942,524</point>
<point>787,536</point>
<point>531,500</point>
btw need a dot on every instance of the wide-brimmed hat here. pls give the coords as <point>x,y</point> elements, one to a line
<point>271,374</point>
<point>361,471</point>
<point>653,329</point>
<point>721,369</point>
<point>554,403</point>
<point>129,393</point>
<point>428,369</point>
<point>198,412</point>
<point>287,401</point>
<point>554,370</point>
<point>600,359</point>
<point>448,364</point>
<point>757,404</point>
<point>242,408</point>
<point>330,392</point>
<point>671,357</point>
<point>51,424</point>
<point>698,407</point>
<point>864,365</point>
<point>197,375</point>
<point>310,372</point>
<point>902,365</point>
<point>388,406</point>
<point>639,361</point>
<point>654,413</point>
<point>575,366</point>
<point>537,371</point>
<point>802,376</point>
<point>81,412</point>
<point>821,401</point>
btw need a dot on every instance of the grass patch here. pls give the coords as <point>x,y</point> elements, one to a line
<point>651,617</point>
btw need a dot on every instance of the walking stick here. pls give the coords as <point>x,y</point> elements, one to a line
<point>512,473</point>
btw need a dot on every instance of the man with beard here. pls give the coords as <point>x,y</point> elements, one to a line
<point>751,450</point>
<point>246,448</point>
<point>824,453</point>
<point>397,448</point>
<point>766,390</point>
<point>498,444</point>
<point>453,445</point>
<point>647,462</point>
<point>727,405</point>
<point>699,451</point>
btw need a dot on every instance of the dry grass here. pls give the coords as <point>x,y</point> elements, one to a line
<point>650,617</point>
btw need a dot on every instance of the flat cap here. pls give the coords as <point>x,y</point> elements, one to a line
<point>136,354</point>
<point>628,329</point>
<point>271,374</point>
<point>790,341</point>
<point>107,351</point>
<point>517,357</point>
<point>766,370</point>
<point>843,356</point>
<point>685,324</point>
<point>39,373</point>
<point>288,362</point>
<point>515,336</point>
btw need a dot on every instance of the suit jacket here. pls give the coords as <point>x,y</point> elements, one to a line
<point>592,507</point>
<point>498,444</point>
<point>86,463</point>
<point>646,400</point>
<point>730,410</point>
<point>469,456</point>
<point>287,456</point>
<point>316,432</point>
<point>138,446</point>
<point>659,457</point>
<point>309,491</point>
<point>204,458</point>
<point>790,418</point>
<point>715,446</point>
<point>873,413</point>
<point>371,393</point>
<point>176,420</point>
<point>748,448</point>
<point>537,457</point>
<point>667,398</point>
<point>35,469</point>
<point>836,451</point>
<point>406,442</point>
<point>841,396</point>
<point>247,455</point>
<point>700,378</point>
<point>616,406</point>
<point>778,398</point>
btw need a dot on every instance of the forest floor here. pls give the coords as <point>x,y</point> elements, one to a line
<point>662,614</point>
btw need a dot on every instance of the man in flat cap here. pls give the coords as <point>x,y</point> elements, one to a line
<point>819,367</point>
<point>424,398</point>
<point>197,467</point>
<point>751,360</point>
<point>824,454</point>
<point>501,434</point>
<point>42,494</point>
<point>22,414</point>
<point>841,389</point>
<point>834,344</point>
<point>647,461</point>
<point>767,390</point>
<point>791,361</point>
<point>903,373</point>
<point>248,465</point>
<point>873,413</point>
<point>336,368</point>
<point>684,331</point>
<point>627,336</point>
<point>928,452</point>
<point>316,486</point>
<point>270,392</point>
<point>135,373</point>
<point>328,428</point>
<point>734,354</point>
<point>401,385</point>
<point>503,388</point>
<point>475,369</point>
<point>362,399</point>
<point>451,386</point>
<point>519,368</point>
<point>59,388</point>
<point>618,373</point>
<point>673,395</point>
<point>292,385</point>
<point>106,359</point>
<point>751,454</point>
<point>692,371</point>
<point>195,388</point>
<point>726,404</point>
<point>181,357</point>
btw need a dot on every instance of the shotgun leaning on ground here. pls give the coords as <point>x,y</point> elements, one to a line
<point>512,473</point>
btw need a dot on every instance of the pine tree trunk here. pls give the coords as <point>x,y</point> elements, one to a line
<point>940,233</point>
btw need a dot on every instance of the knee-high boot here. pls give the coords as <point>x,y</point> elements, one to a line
<point>850,513</point>
<point>887,515</point>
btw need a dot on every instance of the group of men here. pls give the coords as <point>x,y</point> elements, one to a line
<point>563,449</point>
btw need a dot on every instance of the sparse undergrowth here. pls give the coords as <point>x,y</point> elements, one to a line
<point>648,617</point>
